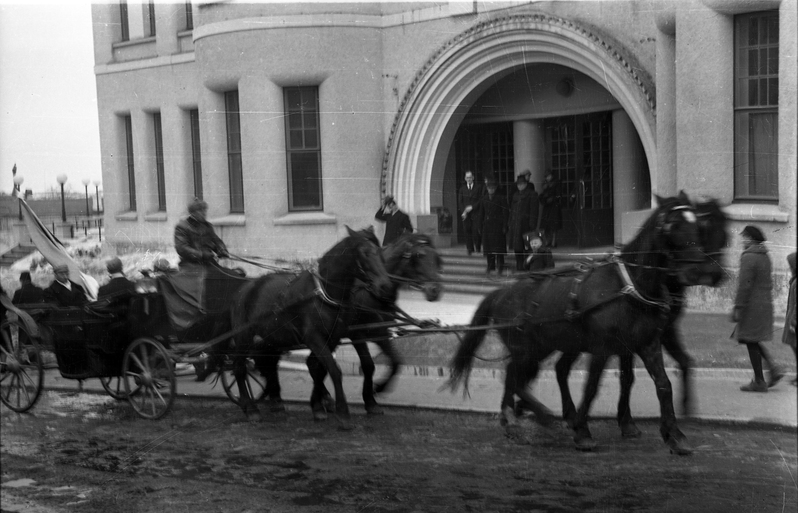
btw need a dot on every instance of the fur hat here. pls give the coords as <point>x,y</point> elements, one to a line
<point>196,205</point>
<point>753,233</point>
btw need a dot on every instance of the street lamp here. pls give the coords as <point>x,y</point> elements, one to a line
<point>97,189</point>
<point>62,178</point>
<point>17,187</point>
<point>86,183</point>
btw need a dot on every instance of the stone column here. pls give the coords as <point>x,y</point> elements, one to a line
<point>213,137</point>
<point>665,184</point>
<point>167,25</point>
<point>529,150</point>
<point>628,166</point>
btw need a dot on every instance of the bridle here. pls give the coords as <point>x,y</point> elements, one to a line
<point>414,252</point>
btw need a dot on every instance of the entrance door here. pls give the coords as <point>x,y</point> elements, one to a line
<point>581,158</point>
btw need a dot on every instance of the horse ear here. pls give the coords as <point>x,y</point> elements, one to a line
<point>659,198</point>
<point>683,197</point>
<point>370,229</point>
<point>349,230</point>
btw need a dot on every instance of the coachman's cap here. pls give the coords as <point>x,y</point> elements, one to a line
<point>114,265</point>
<point>61,268</point>
<point>520,179</point>
<point>197,205</point>
<point>753,233</point>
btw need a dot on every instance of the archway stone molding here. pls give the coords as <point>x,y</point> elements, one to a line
<point>489,49</point>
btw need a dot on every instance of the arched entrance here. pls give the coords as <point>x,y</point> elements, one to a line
<point>445,90</point>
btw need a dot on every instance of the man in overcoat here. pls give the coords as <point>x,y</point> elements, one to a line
<point>523,218</point>
<point>753,308</point>
<point>494,212</point>
<point>27,293</point>
<point>396,221</point>
<point>468,206</point>
<point>195,239</point>
<point>118,287</point>
<point>64,292</point>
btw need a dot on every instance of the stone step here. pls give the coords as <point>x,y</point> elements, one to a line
<point>11,256</point>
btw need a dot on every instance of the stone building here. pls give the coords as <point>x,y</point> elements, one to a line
<point>294,119</point>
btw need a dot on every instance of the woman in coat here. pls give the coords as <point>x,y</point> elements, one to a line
<point>753,308</point>
<point>523,218</point>
<point>551,211</point>
<point>494,211</point>
<point>789,322</point>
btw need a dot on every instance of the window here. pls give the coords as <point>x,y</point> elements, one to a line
<point>159,172</point>
<point>303,148</point>
<point>196,152</point>
<point>756,106</point>
<point>189,16</point>
<point>137,19</point>
<point>131,175</point>
<point>234,165</point>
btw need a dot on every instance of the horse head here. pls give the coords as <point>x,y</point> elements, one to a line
<point>713,232</point>
<point>413,260</point>
<point>370,266</point>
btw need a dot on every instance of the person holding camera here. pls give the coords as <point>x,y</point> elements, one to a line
<point>396,221</point>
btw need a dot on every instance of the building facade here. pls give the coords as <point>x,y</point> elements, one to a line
<point>294,120</point>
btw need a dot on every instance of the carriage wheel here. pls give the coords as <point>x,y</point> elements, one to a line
<point>21,369</point>
<point>256,384</point>
<point>115,386</point>
<point>149,378</point>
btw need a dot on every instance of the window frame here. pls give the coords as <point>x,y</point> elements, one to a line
<point>196,151</point>
<point>131,170</point>
<point>306,134</point>
<point>160,175</point>
<point>235,164</point>
<point>189,15</point>
<point>761,107</point>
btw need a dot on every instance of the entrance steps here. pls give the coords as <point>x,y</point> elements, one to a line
<point>465,274</point>
<point>14,254</point>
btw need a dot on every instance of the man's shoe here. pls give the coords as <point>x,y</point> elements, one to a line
<point>775,376</point>
<point>755,386</point>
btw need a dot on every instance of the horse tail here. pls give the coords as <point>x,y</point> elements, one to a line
<point>461,362</point>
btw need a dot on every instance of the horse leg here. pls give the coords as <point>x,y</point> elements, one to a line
<point>582,437</point>
<point>672,344</point>
<point>507,416</point>
<point>245,400</point>
<point>319,402</point>
<point>268,365</point>
<point>326,359</point>
<point>367,366</point>
<point>563,368</point>
<point>526,374</point>
<point>627,377</point>
<point>388,349</point>
<point>652,358</point>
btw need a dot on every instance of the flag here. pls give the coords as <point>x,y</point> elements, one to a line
<point>54,251</point>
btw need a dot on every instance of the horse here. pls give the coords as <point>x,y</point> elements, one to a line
<point>712,231</point>
<point>410,260</point>
<point>281,311</point>
<point>618,306</point>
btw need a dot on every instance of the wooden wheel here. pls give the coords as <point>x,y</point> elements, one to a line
<point>256,384</point>
<point>115,386</point>
<point>21,369</point>
<point>149,378</point>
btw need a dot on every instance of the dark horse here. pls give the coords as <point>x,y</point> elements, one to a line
<point>713,236</point>
<point>411,260</point>
<point>282,311</point>
<point>619,306</point>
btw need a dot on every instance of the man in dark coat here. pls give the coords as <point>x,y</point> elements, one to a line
<point>195,239</point>
<point>118,287</point>
<point>396,221</point>
<point>64,292</point>
<point>494,213</point>
<point>523,218</point>
<point>28,293</point>
<point>468,206</point>
<point>551,210</point>
<point>753,308</point>
<point>788,337</point>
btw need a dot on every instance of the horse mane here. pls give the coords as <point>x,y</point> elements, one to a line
<point>643,248</point>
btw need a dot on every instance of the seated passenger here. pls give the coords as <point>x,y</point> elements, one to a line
<point>28,293</point>
<point>195,239</point>
<point>119,288</point>
<point>64,292</point>
<point>538,257</point>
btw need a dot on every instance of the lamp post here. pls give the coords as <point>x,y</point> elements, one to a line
<point>17,186</point>
<point>86,183</point>
<point>62,178</point>
<point>97,189</point>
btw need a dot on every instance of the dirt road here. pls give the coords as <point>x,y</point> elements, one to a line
<point>88,453</point>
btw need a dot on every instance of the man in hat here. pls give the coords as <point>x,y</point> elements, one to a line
<point>396,221</point>
<point>195,239</point>
<point>753,308</point>
<point>494,212</point>
<point>64,292</point>
<point>28,293</point>
<point>468,205</point>
<point>118,287</point>
<point>523,218</point>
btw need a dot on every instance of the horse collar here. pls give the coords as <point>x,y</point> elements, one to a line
<point>321,293</point>
<point>630,289</point>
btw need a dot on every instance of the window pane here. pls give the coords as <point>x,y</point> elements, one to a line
<point>295,120</point>
<point>756,157</point>
<point>305,180</point>
<point>311,139</point>
<point>753,33</point>
<point>236,183</point>
<point>773,29</point>
<point>773,91</point>
<point>295,140</point>
<point>131,175</point>
<point>196,152</point>
<point>753,63</point>
<point>310,119</point>
<point>773,61</point>
<point>293,99</point>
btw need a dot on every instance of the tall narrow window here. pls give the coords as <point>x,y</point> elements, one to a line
<point>234,164</point>
<point>137,19</point>
<point>159,171</point>
<point>756,107</point>
<point>196,152</point>
<point>131,175</point>
<point>189,16</point>
<point>303,148</point>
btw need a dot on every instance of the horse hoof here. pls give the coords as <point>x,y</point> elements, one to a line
<point>585,444</point>
<point>328,402</point>
<point>679,447</point>
<point>319,415</point>
<point>515,433</point>
<point>254,418</point>
<point>375,410</point>
<point>345,425</point>
<point>630,431</point>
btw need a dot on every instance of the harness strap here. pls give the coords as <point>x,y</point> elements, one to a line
<point>630,289</point>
